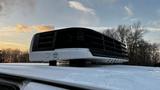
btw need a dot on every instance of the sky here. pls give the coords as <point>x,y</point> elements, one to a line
<point>21,19</point>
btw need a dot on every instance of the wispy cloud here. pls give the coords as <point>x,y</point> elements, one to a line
<point>152,29</point>
<point>153,26</point>
<point>43,28</point>
<point>27,28</point>
<point>155,23</point>
<point>79,6</point>
<point>128,11</point>
<point>9,6</point>
<point>88,16</point>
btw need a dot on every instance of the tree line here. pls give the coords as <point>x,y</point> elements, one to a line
<point>140,51</point>
<point>11,55</point>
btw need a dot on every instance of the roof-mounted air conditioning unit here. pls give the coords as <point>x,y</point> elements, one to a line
<point>76,44</point>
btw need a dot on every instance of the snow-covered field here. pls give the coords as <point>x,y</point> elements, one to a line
<point>114,77</point>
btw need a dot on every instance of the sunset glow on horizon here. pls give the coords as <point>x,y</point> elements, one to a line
<point>12,45</point>
<point>20,35</point>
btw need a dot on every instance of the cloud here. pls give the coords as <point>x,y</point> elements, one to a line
<point>152,29</point>
<point>88,17</point>
<point>153,26</point>
<point>9,6</point>
<point>155,23</point>
<point>128,11</point>
<point>27,28</point>
<point>22,28</point>
<point>79,6</point>
<point>43,28</point>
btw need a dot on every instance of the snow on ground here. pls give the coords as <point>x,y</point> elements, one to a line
<point>114,77</point>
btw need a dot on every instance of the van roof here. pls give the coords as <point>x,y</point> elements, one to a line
<point>121,77</point>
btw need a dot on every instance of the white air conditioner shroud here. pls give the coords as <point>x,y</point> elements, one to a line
<point>70,54</point>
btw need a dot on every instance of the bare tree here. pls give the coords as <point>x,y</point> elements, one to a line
<point>111,33</point>
<point>140,52</point>
<point>155,55</point>
<point>123,32</point>
<point>133,39</point>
